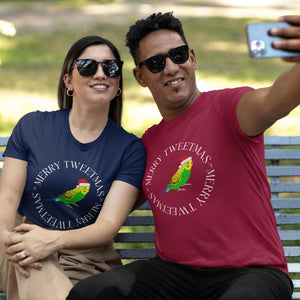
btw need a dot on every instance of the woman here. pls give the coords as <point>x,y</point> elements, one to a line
<point>70,178</point>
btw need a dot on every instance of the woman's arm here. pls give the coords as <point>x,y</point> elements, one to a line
<point>12,183</point>
<point>38,243</point>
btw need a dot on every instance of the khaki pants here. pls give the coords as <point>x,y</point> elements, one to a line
<point>58,275</point>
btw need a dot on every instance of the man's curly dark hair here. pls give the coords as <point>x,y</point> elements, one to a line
<point>154,22</point>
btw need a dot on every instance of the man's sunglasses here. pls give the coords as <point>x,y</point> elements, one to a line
<point>88,67</point>
<point>157,63</point>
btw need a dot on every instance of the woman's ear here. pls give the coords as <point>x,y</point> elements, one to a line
<point>139,77</point>
<point>67,81</point>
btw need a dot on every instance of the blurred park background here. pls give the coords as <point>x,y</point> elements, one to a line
<point>35,36</point>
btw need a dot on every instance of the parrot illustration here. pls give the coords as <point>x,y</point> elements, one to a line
<point>182,175</point>
<point>71,197</point>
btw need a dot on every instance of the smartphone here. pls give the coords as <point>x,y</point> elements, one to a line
<point>260,42</point>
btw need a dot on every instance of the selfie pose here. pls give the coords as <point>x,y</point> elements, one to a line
<point>215,230</point>
<point>205,179</point>
<point>69,180</point>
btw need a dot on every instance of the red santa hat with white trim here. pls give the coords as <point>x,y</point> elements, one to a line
<point>184,159</point>
<point>82,182</point>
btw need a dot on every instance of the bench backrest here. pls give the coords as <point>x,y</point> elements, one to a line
<point>282,154</point>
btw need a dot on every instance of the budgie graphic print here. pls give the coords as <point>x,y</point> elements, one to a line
<point>181,176</point>
<point>71,197</point>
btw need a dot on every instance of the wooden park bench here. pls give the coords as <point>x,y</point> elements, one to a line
<point>282,154</point>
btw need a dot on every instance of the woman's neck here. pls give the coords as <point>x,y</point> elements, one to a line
<point>87,126</point>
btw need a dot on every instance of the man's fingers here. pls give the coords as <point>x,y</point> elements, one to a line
<point>291,45</point>
<point>286,32</point>
<point>292,19</point>
<point>295,59</point>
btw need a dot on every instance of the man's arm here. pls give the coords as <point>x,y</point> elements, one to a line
<point>259,109</point>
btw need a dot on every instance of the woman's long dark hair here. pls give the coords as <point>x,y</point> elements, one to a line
<point>65,101</point>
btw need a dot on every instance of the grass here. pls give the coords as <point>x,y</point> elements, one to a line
<point>30,64</point>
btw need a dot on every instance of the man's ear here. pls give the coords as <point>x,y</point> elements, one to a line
<point>139,77</point>
<point>193,59</point>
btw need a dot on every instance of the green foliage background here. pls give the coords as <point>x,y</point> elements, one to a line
<point>30,61</point>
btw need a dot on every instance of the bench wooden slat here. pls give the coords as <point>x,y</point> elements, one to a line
<point>285,203</point>
<point>289,251</point>
<point>279,154</point>
<point>284,219</point>
<point>135,237</point>
<point>139,221</point>
<point>296,283</point>
<point>289,235</point>
<point>292,251</point>
<point>272,140</point>
<point>150,252</point>
<point>3,140</point>
<point>3,143</point>
<point>281,171</point>
<point>148,237</point>
<point>285,187</point>
<point>139,253</point>
<point>294,267</point>
<point>144,206</point>
<point>296,295</point>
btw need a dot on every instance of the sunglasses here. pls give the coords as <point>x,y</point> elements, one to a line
<point>157,63</point>
<point>88,67</point>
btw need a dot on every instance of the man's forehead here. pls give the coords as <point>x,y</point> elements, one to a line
<point>159,42</point>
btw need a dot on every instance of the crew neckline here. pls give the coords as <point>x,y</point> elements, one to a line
<point>77,142</point>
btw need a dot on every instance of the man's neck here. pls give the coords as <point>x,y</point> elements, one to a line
<point>169,114</point>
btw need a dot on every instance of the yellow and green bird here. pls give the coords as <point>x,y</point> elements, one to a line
<point>182,175</point>
<point>75,195</point>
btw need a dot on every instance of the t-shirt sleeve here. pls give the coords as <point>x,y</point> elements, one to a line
<point>228,107</point>
<point>133,164</point>
<point>226,102</point>
<point>16,145</point>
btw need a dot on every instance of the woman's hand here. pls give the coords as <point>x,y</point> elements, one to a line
<point>23,270</point>
<point>30,244</point>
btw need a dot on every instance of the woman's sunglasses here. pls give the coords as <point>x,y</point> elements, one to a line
<point>88,67</point>
<point>157,63</point>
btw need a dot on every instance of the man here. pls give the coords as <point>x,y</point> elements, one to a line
<point>205,179</point>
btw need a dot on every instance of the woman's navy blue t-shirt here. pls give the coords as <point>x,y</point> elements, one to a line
<point>67,181</point>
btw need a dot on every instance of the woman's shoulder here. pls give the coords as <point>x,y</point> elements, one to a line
<point>122,139</point>
<point>42,117</point>
<point>120,132</point>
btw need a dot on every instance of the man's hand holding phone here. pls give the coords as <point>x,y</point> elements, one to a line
<point>280,39</point>
<point>290,35</point>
